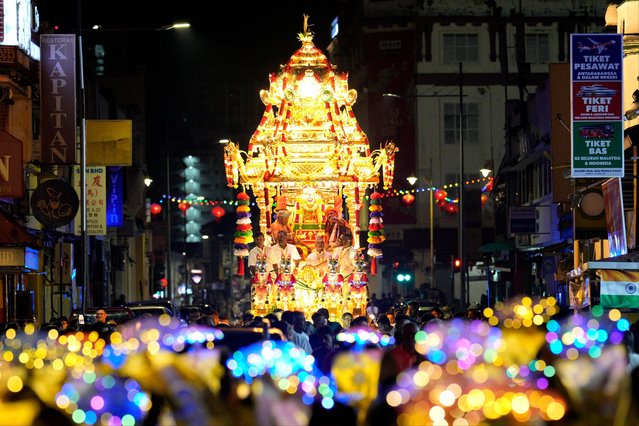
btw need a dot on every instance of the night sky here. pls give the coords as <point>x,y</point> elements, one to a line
<point>248,36</point>
<point>238,40</point>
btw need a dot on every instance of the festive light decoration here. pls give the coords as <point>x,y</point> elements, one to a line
<point>375,230</point>
<point>218,212</point>
<point>184,206</point>
<point>202,200</point>
<point>309,137</point>
<point>408,198</point>
<point>243,231</point>
<point>155,208</point>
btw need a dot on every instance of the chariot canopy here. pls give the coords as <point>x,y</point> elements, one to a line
<point>308,153</point>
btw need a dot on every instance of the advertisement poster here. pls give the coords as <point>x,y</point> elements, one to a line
<point>597,105</point>
<point>96,183</point>
<point>57,95</point>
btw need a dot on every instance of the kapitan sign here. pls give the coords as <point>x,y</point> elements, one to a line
<point>57,91</point>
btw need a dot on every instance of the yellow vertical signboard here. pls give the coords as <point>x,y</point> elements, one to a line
<point>96,183</point>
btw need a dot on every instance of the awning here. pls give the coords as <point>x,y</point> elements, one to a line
<point>13,234</point>
<point>497,246</point>
<point>18,248</point>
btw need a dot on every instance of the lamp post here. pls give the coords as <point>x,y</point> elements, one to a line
<point>460,234</point>
<point>98,29</point>
<point>431,227</point>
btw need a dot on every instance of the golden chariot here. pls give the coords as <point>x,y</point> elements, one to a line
<point>308,154</point>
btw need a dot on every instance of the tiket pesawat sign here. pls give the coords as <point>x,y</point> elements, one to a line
<point>597,103</point>
<point>57,91</point>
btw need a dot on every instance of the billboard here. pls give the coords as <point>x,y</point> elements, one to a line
<point>597,105</point>
<point>57,97</point>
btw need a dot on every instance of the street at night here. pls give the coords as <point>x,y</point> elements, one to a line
<point>319,212</point>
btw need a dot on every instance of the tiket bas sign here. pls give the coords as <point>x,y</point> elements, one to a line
<point>596,107</point>
<point>57,91</point>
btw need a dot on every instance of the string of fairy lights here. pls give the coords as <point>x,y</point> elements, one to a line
<point>391,193</point>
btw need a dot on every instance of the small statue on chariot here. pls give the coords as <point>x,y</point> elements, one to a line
<point>333,292</point>
<point>285,286</point>
<point>358,288</point>
<point>261,284</point>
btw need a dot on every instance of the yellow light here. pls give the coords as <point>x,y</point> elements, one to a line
<point>308,87</point>
<point>14,384</point>
<point>520,404</point>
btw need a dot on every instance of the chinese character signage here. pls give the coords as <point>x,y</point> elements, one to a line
<point>597,104</point>
<point>96,183</point>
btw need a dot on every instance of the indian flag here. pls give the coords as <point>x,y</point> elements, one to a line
<point>619,289</point>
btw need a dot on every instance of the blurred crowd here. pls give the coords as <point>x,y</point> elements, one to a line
<point>401,363</point>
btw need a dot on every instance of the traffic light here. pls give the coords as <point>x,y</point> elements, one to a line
<point>404,277</point>
<point>457,265</point>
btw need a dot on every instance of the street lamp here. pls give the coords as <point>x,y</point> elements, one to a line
<point>460,233</point>
<point>460,244</point>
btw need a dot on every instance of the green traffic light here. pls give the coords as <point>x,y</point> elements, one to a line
<point>404,277</point>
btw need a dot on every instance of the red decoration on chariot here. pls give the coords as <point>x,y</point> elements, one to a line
<point>357,281</point>
<point>184,206</point>
<point>440,194</point>
<point>285,282</point>
<point>155,208</point>
<point>240,266</point>
<point>333,281</point>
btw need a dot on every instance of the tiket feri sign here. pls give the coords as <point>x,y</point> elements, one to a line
<point>597,101</point>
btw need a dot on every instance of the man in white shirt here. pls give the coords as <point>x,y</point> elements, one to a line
<point>282,250</point>
<point>346,254</point>
<point>318,258</point>
<point>296,334</point>
<point>255,251</point>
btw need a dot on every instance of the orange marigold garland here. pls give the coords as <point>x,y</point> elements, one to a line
<point>243,231</point>
<point>375,230</point>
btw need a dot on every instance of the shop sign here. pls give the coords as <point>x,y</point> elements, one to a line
<point>523,220</point>
<point>12,256</point>
<point>57,98</point>
<point>54,203</point>
<point>11,179</point>
<point>114,215</point>
<point>96,192</point>
<point>597,105</point>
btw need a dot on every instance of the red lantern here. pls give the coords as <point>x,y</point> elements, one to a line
<point>156,208</point>
<point>408,199</point>
<point>184,206</point>
<point>484,199</point>
<point>440,194</point>
<point>218,212</point>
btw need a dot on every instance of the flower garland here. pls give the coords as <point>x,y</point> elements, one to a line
<point>243,232</point>
<point>375,230</point>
